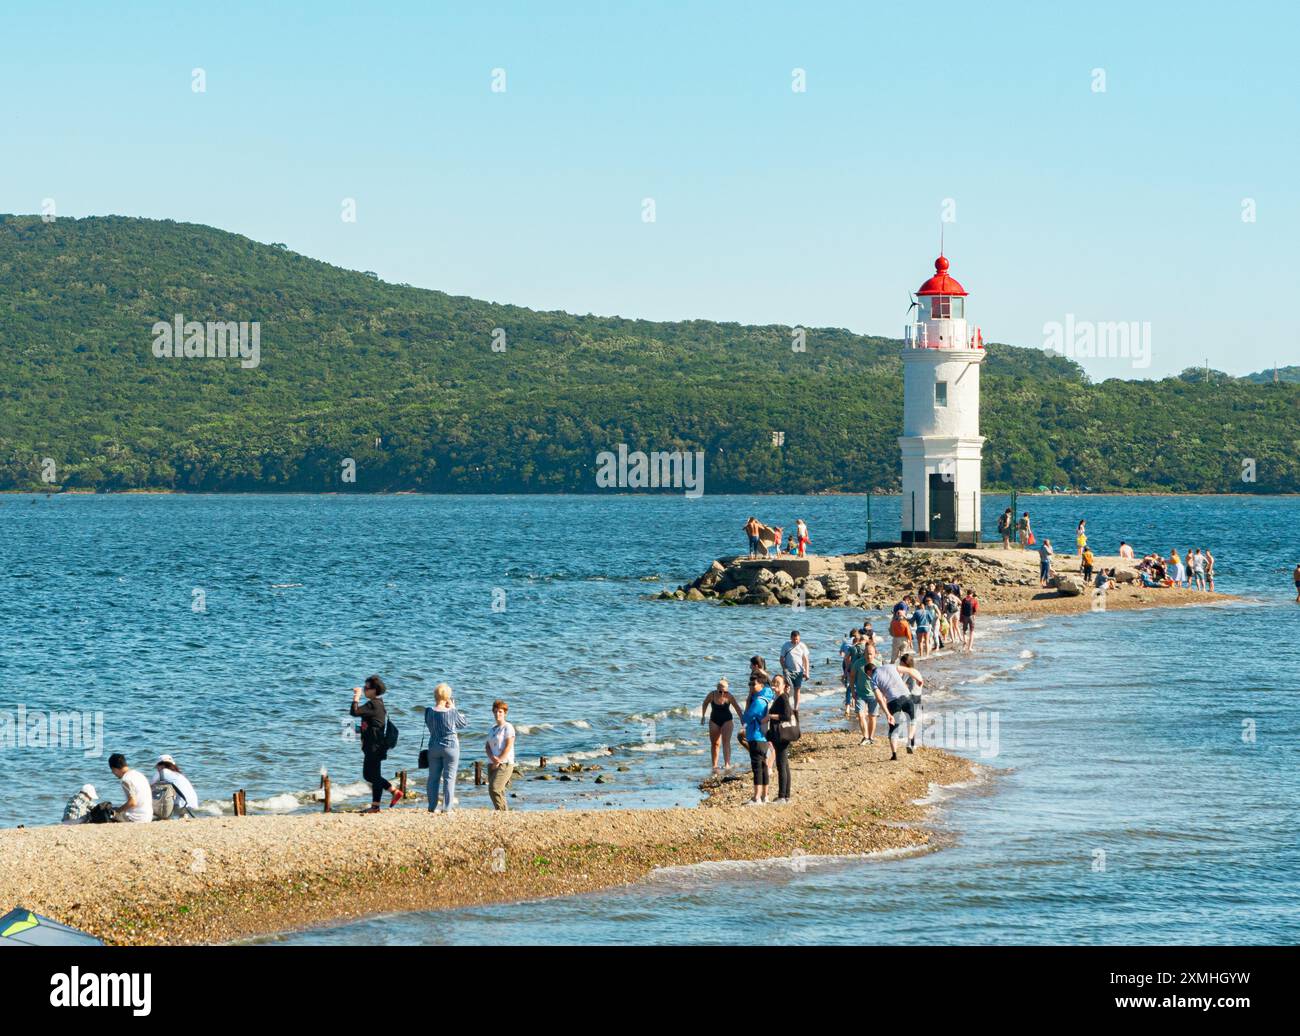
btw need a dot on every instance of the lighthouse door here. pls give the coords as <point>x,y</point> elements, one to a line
<point>943,509</point>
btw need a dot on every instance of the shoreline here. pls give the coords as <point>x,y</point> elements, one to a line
<point>233,879</point>
<point>606,492</point>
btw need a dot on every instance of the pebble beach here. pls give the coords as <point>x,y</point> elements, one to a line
<point>220,880</point>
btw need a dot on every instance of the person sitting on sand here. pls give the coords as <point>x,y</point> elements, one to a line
<point>1105,579</point>
<point>791,548</point>
<point>138,808</point>
<point>1125,551</point>
<point>1045,553</point>
<point>186,798</point>
<point>77,811</point>
<point>755,721</point>
<point>374,739</point>
<point>445,722</point>
<point>717,707</point>
<point>889,683</point>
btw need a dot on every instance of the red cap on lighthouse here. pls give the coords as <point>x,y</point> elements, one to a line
<point>941,283</point>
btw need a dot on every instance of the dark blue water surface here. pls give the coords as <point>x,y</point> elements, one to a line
<point>1142,785</point>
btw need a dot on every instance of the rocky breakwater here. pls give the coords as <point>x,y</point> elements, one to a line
<point>1005,580</point>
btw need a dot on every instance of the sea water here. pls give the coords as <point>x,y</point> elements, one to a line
<point>1141,787</point>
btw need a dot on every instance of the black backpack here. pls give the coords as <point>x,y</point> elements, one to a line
<point>101,813</point>
<point>390,735</point>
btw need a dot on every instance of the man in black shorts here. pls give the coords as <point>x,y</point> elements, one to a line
<point>889,682</point>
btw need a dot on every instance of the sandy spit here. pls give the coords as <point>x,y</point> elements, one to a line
<point>216,880</point>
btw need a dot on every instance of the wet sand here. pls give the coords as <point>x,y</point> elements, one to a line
<point>217,880</point>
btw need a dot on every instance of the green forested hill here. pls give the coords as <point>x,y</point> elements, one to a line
<point>347,360</point>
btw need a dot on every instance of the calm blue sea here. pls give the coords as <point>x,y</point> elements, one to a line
<point>1139,779</point>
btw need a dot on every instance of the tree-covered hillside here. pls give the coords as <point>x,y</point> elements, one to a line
<point>408,384</point>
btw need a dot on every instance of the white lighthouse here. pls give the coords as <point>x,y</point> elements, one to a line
<point>941,442</point>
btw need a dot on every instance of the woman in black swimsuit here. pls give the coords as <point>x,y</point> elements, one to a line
<point>718,704</point>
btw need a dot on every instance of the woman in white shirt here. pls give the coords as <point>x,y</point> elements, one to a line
<point>167,772</point>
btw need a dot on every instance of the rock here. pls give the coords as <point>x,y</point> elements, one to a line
<point>784,579</point>
<point>694,595</point>
<point>857,582</point>
<point>708,581</point>
<point>1067,584</point>
<point>678,595</point>
<point>813,590</point>
<point>787,595</point>
<point>765,597</point>
<point>601,779</point>
<point>736,594</point>
<point>717,568</point>
<point>836,584</point>
<point>624,769</point>
<point>1127,575</point>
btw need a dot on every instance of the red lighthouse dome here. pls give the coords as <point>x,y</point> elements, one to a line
<point>941,283</point>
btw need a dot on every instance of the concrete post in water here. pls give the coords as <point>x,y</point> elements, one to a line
<point>541,763</point>
<point>325,786</point>
<point>478,772</point>
<point>401,781</point>
<point>237,799</point>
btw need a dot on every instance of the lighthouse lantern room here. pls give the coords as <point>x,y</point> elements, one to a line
<point>941,443</point>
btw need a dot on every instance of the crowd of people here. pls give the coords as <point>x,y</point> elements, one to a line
<point>1193,570</point>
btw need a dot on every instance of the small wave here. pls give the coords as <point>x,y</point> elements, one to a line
<point>797,862</point>
<point>285,586</point>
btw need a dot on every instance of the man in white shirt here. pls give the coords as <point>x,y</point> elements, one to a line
<point>794,664</point>
<point>138,808</point>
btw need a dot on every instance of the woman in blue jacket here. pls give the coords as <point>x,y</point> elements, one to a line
<point>755,719</point>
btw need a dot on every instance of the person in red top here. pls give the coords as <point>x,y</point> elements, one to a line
<point>969,606</point>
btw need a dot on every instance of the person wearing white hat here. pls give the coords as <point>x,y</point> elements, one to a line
<point>167,772</point>
<point>78,807</point>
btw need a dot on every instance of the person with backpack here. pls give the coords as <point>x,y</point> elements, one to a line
<point>782,731</point>
<point>185,798</point>
<point>375,739</point>
<point>444,720</point>
<point>1006,521</point>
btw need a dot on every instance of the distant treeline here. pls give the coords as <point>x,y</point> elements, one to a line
<point>426,391</point>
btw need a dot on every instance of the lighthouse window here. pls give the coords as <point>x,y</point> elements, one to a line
<point>958,308</point>
<point>940,307</point>
<point>940,393</point>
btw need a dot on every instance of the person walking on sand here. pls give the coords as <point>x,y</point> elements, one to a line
<point>890,686</point>
<point>846,661</point>
<point>1006,522</point>
<point>923,629</point>
<point>801,530</point>
<point>717,707</point>
<point>1045,553</point>
<point>752,529</point>
<point>864,702</point>
<point>1024,536</point>
<point>969,606</point>
<point>908,662</point>
<point>900,633</point>
<point>794,664</point>
<point>501,755</point>
<point>781,710</point>
<point>1081,536</point>
<point>755,720</point>
<point>374,739</point>
<point>444,721</point>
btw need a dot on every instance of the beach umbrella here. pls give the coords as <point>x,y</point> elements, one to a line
<point>20,927</point>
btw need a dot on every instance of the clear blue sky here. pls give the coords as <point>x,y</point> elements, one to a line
<point>820,208</point>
